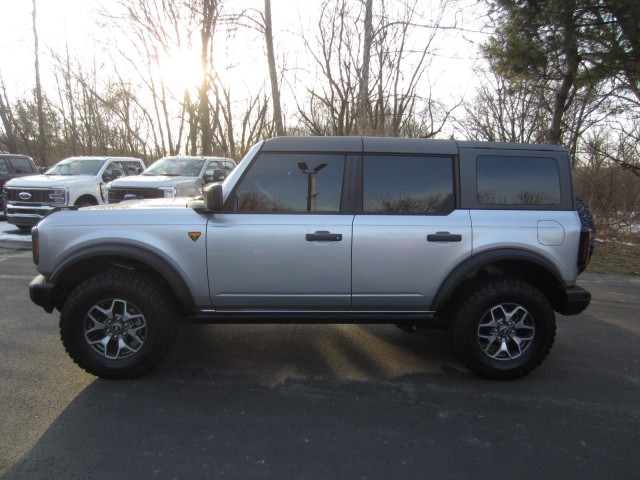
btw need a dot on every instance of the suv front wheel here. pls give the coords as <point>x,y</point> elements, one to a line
<point>503,329</point>
<point>118,324</point>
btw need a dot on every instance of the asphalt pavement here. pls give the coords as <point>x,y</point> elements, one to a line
<point>320,401</point>
<point>12,237</point>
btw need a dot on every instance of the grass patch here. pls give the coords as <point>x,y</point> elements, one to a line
<point>615,258</point>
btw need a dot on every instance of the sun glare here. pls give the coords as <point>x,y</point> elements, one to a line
<point>180,70</point>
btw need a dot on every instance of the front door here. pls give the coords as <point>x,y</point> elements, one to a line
<point>283,243</point>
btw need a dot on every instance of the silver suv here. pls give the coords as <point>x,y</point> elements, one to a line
<point>171,177</point>
<point>480,238</point>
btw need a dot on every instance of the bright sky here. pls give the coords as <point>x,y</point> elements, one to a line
<point>73,22</point>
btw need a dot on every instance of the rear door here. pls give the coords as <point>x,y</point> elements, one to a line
<point>410,234</point>
<point>283,241</point>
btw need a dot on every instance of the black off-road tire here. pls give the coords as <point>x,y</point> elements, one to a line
<point>147,330</point>
<point>478,342</point>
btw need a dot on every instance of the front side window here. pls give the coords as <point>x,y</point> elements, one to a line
<point>133,168</point>
<point>21,165</point>
<point>228,166</point>
<point>407,184</point>
<point>290,182</point>
<point>510,180</point>
<point>115,170</point>
<point>4,168</point>
<point>214,172</point>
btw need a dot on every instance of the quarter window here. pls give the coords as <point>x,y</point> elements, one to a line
<point>504,180</point>
<point>408,184</point>
<point>292,182</point>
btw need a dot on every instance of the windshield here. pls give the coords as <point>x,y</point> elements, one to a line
<point>75,166</point>
<point>175,167</point>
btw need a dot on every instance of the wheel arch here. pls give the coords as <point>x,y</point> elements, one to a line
<point>92,260</point>
<point>505,262</point>
<point>86,198</point>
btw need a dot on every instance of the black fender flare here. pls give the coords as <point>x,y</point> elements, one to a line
<point>476,262</point>
<point>141,255</point>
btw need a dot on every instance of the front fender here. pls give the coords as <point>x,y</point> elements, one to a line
<point>119,254</point>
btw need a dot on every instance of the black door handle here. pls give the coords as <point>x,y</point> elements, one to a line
<point>444,237</point>
<point>323,237</point>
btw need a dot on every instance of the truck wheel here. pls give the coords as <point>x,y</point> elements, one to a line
<point>118,324</point>
<point>503,329</point>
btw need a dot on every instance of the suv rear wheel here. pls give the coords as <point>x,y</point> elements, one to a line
<point>503,329</point>
<point>118,324</point>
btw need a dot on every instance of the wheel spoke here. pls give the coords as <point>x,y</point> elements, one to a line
<point>505,331</point>
<point>115,328</point>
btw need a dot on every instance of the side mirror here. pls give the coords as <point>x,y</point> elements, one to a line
<point>213,198</point>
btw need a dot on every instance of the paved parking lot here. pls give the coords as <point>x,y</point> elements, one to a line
<point>321,401</point>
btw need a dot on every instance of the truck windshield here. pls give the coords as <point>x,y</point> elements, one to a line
<point>176,167</point>
<point>76,167</point>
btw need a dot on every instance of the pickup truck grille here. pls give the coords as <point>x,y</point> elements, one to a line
<point>37,195</point>
<point>117,195</point>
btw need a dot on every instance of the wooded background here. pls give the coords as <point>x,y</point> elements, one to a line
<point>552,71</point>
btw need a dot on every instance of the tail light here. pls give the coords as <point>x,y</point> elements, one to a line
<point>584,251</point>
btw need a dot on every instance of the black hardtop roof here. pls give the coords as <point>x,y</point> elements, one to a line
<point>356,144</point>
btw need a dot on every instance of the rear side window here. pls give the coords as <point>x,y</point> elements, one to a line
<point>291,182</point>
<point>511,180</point>
<point>407,184</point>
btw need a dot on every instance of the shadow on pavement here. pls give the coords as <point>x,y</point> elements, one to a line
<point>330,401</point>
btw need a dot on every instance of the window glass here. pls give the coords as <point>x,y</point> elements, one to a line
<point>211,169</point>
<point>133,168</point>
<point>21,165</point>
<point>504,180</point>
<point>290,182</point>
<point>399,184</point>
<point>175,166</point>
<point>74,166</point>
<point>4,168</point>
<point>115,170</point>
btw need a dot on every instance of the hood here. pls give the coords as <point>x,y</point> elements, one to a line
<point>175,202</point>
<point>47,181</point>
<point>151,181</point>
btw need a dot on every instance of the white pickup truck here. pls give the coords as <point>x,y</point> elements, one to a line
<point>74,181</point>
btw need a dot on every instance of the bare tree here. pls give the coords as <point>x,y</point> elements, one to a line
<point>364,104</point>
<point>42,153</point>
<point>370,66</point>
<point>273,74</point>
<point>8,141</point>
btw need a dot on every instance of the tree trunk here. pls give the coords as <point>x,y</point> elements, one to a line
<point>363,95</point>
<point>6,117</point>
<point>554,134</point>
<point>275,92</point>
<point>42,153</point>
